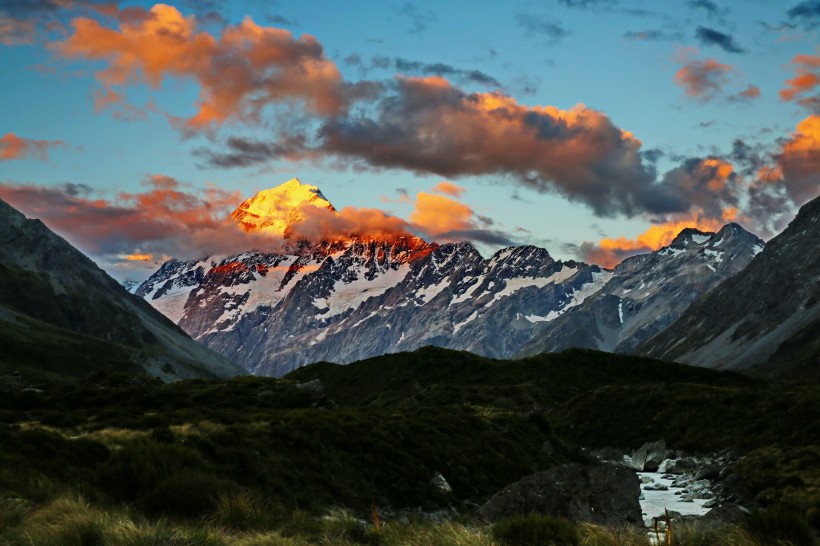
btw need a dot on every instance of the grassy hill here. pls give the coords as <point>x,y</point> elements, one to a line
<point>377,433</point>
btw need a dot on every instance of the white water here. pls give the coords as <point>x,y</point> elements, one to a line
<point>655,502</point>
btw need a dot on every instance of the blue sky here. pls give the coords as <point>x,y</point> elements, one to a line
<point>620,59</point>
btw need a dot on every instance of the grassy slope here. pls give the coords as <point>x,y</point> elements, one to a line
<point>40,351</point>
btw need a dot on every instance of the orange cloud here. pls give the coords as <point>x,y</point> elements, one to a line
<point>702,79</point>
<point>431,126</point>
<point>162,220</point>
<point>14,147</point>
<point>247,68</point>
<point>448,188</point>
<point>610,252</point>
<point>438,214</point>
<point>139,257</point>
<point>799,161</point>
<point>806,77</point>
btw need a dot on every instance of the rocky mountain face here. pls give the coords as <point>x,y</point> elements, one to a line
<point>646,293</point>
<point>349,300</point>
<point>764,317</point>
<point>48,287</point>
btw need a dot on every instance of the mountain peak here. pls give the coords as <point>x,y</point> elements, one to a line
<point>690,235</point>
<point>275,209</point>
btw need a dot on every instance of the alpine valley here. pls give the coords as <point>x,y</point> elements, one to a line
<point>357,297</point>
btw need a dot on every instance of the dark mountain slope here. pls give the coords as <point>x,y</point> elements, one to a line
<point>765,318</point>
<point>43,279</point>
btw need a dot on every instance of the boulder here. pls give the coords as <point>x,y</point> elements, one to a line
<point>601,494</point>
<point>648,457</point>
<point>440,483</point>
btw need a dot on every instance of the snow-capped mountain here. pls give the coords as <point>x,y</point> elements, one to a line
<point>360,297</point>
<point>767,316</point>
<point>351,299</point>
<point>276,209</point>
<point>646,293</point>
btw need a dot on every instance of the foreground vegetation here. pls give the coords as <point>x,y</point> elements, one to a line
<point>128,460</point>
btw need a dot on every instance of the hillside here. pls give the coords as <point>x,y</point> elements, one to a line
<point>766,319</point>
<point>46,281</point>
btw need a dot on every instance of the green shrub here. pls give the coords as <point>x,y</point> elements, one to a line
<point>536,530</point>
<point>780,524</point>
<point>188,493</point>
<point>138,467</point>
<point>243,512</point>
<point>12,512</point>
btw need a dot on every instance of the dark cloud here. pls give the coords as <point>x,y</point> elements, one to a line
<point>539,25</point>
<point>280,20</point>
<point>245,152</point>
<point>488,236</point>
<point>806,14</point>
<point>419,18</point>
<point>709,36</point>
<point>411,67</point>
<point>440,69</point>
<point>706,184</point>
<point>653,35</point>
<point>652,155</point>
<point>706,5</point>
<point>587,3</point>
<point>713,11</point>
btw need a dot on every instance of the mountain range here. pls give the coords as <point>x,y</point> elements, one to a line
<point>353,298</point>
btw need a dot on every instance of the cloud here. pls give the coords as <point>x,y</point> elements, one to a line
<point>752,92</point>
<point>429,126</point>
<point>653,35</point>
<point>610,252</point>
<point>15,31</point>
<point>799,161</point>
<point>587,3</point>
<point>702,79</point>
<point>806,13</point>
<point>448,188</point>
<point>246,69</point>
<point>246,152</point>
<point>539,25</point>
<point>14,147</point>
<point>806,79</point>
<point>164,219</point>
<point>168,218</point>
<point>709,36</point>
<point>440,69</point>
<point>420,19</point>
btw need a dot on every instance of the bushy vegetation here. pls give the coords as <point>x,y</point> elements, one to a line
<point>536,530</point>
<point>129,460</point>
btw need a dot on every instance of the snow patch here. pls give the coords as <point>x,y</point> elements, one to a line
<point>515,284</point>
<point>460,325</point>
<point>428,293</point>
<point>351,295</point>
<point>578,297</point>
<point>718,256</point>
<point>700,239</point>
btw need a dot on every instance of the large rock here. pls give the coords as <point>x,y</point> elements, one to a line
<point>602,494</point>
<point>649,456</point>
